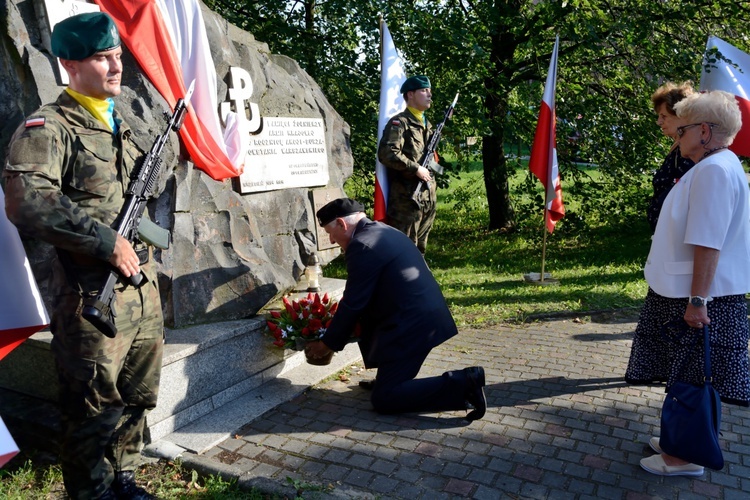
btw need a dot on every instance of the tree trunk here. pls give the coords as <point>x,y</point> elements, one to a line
<point>497,88</point>
<point>495,169</point>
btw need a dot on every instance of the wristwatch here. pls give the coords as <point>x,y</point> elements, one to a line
<point>698,301</point>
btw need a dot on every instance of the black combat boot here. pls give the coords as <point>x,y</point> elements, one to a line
<point>108,495</point>
<point>125,488</point>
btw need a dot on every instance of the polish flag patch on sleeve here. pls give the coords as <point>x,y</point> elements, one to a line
<point>395,123</point>
<point>35,122</point>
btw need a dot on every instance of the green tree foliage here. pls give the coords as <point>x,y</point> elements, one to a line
<point>338,44</point>
<point>613,55</point>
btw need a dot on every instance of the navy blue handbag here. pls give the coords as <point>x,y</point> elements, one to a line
<point>690,419</point>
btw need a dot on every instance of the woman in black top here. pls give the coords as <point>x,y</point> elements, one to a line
<point>649,353</point>
<point>674,165</point>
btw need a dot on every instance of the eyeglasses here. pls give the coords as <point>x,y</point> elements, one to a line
<point>681,130</point>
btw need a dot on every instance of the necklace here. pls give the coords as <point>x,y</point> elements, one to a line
<point>713,150</point>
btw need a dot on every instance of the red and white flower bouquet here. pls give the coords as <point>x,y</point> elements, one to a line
<point>301,320</point>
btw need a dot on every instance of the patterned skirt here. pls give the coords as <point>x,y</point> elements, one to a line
<point>666,349</point>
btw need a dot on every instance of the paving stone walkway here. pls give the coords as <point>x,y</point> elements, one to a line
<point>561,423</point>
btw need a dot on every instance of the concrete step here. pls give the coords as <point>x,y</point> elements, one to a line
<point>212,376</point>
<point>217,426</point>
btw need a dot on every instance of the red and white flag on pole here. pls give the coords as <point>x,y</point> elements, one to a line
<point>543,161</point>
<point>168,39</point>
<point>392,76</point>
<point>733,76</point>
<point>22,311</point>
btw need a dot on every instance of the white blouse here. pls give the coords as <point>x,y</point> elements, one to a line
<point>710,207</point>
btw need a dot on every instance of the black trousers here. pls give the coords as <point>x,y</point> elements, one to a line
<point>397,391</point>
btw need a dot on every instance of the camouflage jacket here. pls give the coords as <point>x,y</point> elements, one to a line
<point>66,176</point>
<point>401,149</point>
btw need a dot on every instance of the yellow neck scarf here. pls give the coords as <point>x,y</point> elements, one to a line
<point>101,109</point>
<point>417,113</point>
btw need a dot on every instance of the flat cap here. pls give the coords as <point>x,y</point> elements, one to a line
<point>415,83</point>
<point>340,207</point>
<point>83,35</point>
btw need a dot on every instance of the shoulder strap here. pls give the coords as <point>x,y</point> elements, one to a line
<point>707,355</point>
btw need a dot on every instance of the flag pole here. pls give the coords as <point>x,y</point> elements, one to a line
<point>543,164</point>
<point>544,243</point>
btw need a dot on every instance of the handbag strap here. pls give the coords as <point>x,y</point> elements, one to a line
<point>707,355</point>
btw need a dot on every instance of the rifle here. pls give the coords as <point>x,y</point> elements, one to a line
<point>428,159</point>
<point>100,310</point>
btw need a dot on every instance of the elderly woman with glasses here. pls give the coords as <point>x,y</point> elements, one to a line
<point>700,260</point>
<point>648,356</point>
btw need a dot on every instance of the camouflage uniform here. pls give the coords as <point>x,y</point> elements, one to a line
<point>401,149</point>
<point>65,182</point>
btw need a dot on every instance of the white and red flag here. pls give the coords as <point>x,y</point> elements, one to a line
<point>22,311</point>
<point>392,76</point>
<point>8,447</point>
<point>168,39</point>
<point>543,162</point>
<point>731,74</point>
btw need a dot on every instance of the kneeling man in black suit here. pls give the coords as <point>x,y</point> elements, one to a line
<point>402,313</point>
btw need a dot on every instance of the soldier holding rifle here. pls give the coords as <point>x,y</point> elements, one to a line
<point>65,184</point>
<point>402,150</point>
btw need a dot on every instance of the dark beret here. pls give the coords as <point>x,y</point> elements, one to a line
<point>338,208</point>
<point>83,35</point>
<point>415,83</point>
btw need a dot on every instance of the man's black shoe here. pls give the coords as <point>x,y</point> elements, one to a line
<point>367,385</point>
<point>125,488</point>
<point>475,392</point>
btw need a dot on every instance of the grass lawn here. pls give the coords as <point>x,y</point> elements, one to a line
<point>481,272</point>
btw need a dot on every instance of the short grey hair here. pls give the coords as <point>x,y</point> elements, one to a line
<point>350,219</point>
<point>713,106</point>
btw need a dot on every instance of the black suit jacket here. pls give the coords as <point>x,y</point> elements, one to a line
<point>391,292</point>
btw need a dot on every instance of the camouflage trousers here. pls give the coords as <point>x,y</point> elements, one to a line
<point>107,386</point>
<point>412,220</point>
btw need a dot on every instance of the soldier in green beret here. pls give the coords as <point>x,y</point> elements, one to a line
<point>401,150</point>
<point>64,185</point>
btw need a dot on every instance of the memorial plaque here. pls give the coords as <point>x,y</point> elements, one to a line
<point>320,198</point>
<point>287,153</point>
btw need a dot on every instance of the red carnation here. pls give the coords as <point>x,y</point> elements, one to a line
<point>287,305</point>
<point>315,324</point>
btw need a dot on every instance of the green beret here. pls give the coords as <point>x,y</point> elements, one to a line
<point>415,83</point>
<point>338,208</point>
<point>83,35</point>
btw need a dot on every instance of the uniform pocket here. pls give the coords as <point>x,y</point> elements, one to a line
<point>414,143</point>
<point>30,153</point>
<point>84,394</point>
<point>95,167</point>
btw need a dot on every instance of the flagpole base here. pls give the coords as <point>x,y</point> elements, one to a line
<point>536,279</point>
